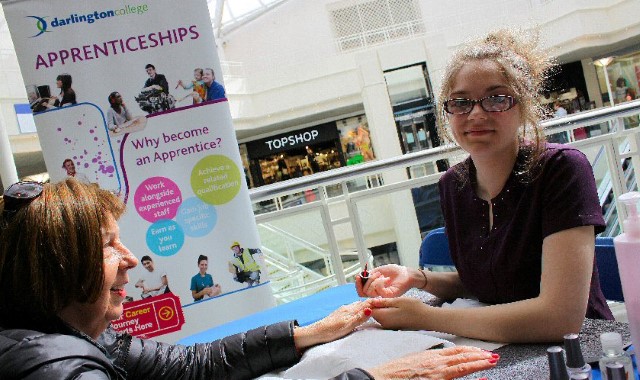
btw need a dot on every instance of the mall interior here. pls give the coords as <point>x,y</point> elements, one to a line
<point>356,83</point>
<point>364,73</point>
<point>317,87</point>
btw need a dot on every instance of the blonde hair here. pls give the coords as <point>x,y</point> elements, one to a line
<point>525,66</point>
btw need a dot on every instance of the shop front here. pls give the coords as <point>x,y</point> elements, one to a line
<point>295,154</point>
<point>619,79</point>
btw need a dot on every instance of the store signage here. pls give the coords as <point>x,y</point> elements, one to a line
<point>293,140</point>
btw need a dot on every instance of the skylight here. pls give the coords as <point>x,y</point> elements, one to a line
<point>236,13</point>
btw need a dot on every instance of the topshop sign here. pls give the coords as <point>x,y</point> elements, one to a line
<point>292,140</point>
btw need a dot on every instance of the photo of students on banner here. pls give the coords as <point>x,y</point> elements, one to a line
<point>119,119</point>
<point>213,89</point>
<point>154,281</point>
<point>202,285</point>
<point>198,90</point>
<point>70,169</point>
<point>155,96</point>
<point>243,266</point>
<point>41,99</point>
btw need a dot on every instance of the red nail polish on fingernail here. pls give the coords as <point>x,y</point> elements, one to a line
<point>483,378</point>
<point>493,361</point>
<point>367,312</point>
<point>495,356</point>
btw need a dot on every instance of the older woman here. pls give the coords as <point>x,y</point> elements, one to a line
<point>63,270</point>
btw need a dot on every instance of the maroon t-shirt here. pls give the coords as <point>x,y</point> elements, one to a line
<point>505,264</point>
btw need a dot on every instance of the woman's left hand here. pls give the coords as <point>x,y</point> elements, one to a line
<point>402,313</point>
<point>336,325</point>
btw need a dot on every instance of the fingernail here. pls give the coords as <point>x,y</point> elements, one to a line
<point>367,312</point>
<point>495,356</point>
<point>493,361</point>
<point>483,378</point>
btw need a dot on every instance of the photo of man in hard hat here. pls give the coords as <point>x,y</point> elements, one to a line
<point>243,266</point>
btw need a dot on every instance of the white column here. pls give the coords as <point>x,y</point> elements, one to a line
<point>385,142</point>
<point>591,79</point>
<point>8,171</point>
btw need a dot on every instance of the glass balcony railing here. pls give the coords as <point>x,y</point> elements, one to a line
<point>318,230</point>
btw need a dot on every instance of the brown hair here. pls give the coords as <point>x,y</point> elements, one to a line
<point>526,68</point>
<point>51,253</point>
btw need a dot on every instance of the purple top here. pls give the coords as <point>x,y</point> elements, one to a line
<point>504,264</point>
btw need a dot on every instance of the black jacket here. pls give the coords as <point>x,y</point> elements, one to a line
<point>70,354</point>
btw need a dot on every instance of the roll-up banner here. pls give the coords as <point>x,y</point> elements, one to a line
<point>130,96</point>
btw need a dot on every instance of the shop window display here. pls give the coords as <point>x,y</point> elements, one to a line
<point>624,77</point>
<point>357,145</point>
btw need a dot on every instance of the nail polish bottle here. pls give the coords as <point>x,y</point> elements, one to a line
<point>615,371</point>
<point>612,352</point>
<point>575,361</point>
<point>364,275</point>
<point>557,370</point>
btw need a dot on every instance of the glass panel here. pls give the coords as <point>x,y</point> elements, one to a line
<point>409,138</point>
<point>297,255</point>
<point>377,220</point>
<point>406,84</point>
<point>346,245</point>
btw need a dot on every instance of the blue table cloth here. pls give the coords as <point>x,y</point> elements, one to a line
<point>306,311</point>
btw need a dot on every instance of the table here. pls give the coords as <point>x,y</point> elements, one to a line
<point>517,361</point>
<point>529,361</point>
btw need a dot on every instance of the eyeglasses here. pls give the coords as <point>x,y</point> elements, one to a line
<point>18,195</point>
<point>493,103</point>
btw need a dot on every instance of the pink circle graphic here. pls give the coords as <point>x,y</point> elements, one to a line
<point>157,198</point>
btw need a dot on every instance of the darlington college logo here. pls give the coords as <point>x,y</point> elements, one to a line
<point>41,24</point>
<point>89,18</point>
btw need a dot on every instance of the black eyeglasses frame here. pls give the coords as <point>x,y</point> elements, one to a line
<point>512,103</point>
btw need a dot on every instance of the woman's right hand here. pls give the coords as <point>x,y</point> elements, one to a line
<point>386,281</point>
<point>448,363</point>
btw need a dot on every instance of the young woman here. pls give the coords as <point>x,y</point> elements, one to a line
<point>63,269</point>
<point>66,97</point>
<point>520,214</point>
<point>202,285</point>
